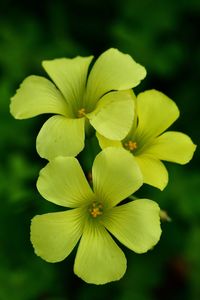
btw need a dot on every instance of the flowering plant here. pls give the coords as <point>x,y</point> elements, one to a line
<point>129,129</point>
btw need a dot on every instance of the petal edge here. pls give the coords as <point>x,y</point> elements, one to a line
<point>54,235</point>
<point>99,260</point>
<point>60,136</point>
<point>135,224</point>
<point>37,95</point>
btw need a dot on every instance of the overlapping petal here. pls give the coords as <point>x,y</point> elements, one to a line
<point>135,224</point>
<point>63,182</point>
<point>70,77</point>
<point>116,175</point>
<point>156,112</point>
<point>99,260</point>
<point>153,171</point>
<point>104,142</point>
<point>113,70</point>
<point>54,235</point>
<point>172,146</point>
<point>113,116</point>
<point>61,136</point>
<point>36,96</point>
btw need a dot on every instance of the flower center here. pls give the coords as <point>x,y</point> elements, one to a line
<point>81,113</point>
<point>130,145</point>
<point>96,209</point>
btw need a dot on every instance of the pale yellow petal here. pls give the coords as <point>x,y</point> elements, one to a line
<point>61,136</point>
<point>70,77</point>
<point>113,116</point>
<point>54,235</point>
<point>172,146</point>
<point>104,142</point>
<point>116,175</point>
<point>36,96</point>
<point>156,112</point>
<point>113,70</point>
<point>99,260</point>
<point>153,171</point>
<point>135,224</point>
<point>63,182</point>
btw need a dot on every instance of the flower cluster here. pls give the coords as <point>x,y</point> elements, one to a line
<point>131,133</point>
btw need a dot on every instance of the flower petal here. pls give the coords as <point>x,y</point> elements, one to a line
<point>113,70</point>
<point>36,96</point>
<point>54,235</point>
<point>104,142</point>
<point>153,171</point>
<point>61,136</point>
<point>113,116</point>
<point>116,175</point>
<point>63,182</point>
<point>70,77</point>
<point>99,260</point>
<point>173,146</point>
<point>156,112</point>
<point>135,224</point>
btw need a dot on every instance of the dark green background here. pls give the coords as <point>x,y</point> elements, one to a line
<point>161,35</point>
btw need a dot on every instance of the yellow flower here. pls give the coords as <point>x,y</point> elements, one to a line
<point>147,142</point>
<point>102,100</point>
<point>93,214</point>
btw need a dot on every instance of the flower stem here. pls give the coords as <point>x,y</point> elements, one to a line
<point>164,216</point>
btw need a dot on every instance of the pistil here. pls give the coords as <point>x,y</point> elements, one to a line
<point>81,113</point>
<point>96,209</point>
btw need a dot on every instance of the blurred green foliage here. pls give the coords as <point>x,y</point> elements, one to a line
<point>161,35</point>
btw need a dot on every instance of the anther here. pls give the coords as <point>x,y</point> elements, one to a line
<point>130,145</point>
<point>81,112</point>
<point>96,209</point>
